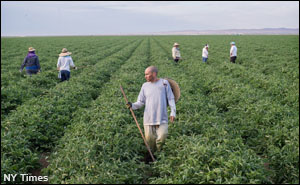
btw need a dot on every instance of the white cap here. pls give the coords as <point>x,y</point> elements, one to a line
<point>232,43</point>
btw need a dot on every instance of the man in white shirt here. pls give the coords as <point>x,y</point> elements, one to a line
<point>175,52</point>
<point>233,52</point>
<point>63,64</point>
<point>155,94</point>
<point>205,53</point>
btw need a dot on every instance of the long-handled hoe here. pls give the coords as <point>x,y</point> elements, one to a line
<point>137,124</point>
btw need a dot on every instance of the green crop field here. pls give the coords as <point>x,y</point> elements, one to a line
<point>235,123</point>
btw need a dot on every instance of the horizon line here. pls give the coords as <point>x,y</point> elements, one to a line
<point>169,33</point>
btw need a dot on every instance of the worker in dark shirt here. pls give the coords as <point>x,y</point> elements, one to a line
<point>31,63</point>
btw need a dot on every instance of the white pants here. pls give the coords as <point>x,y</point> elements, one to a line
<point>155,135</point>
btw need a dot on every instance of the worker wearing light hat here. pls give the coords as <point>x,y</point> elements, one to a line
<point>64,63</point>
<point>175,52</point>
<point>233,52</point>
<point>205,53</point>
<point>31,63</point>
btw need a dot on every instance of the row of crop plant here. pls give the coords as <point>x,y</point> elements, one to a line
<point>265,119</point>
<point>103,144</point>
<point>36,125</point>
<point>19,91</point>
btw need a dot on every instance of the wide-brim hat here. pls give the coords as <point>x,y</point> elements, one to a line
<point>175,88</point>
<point>31,49</point>
<point>176,44</point>
<point>64,53</point>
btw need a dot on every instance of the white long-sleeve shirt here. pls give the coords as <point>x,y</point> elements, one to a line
<point>155,96</point>
<point>175,52</point>
<point>233,51</point>
<point>64,63</point>
<point>204,53</point>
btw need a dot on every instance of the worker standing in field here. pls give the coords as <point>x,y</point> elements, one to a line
<point>155,94</point>
<point>64,63</point>
<point>31,62</point>
<point>175,52</point>
<point>205,53</point>
<point>233,52</point>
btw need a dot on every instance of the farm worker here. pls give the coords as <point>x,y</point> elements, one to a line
<point>233,52</point>
<point>63,64</point>
<point>205,53</point>
<point>31,62</point>
<point>155,94</point>
<point>176,52</point>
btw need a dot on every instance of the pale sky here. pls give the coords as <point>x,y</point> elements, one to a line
<point>129,17</point>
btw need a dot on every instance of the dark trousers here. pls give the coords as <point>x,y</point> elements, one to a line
<point>65,75</point>
<point>31,71</point>
<point>232,59</point>
<point>176,60</point>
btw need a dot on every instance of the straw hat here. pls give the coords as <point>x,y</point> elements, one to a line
<point>31,49</point>
<point>176,44</point>
<point>64,52</point>
<point>175,88</point>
